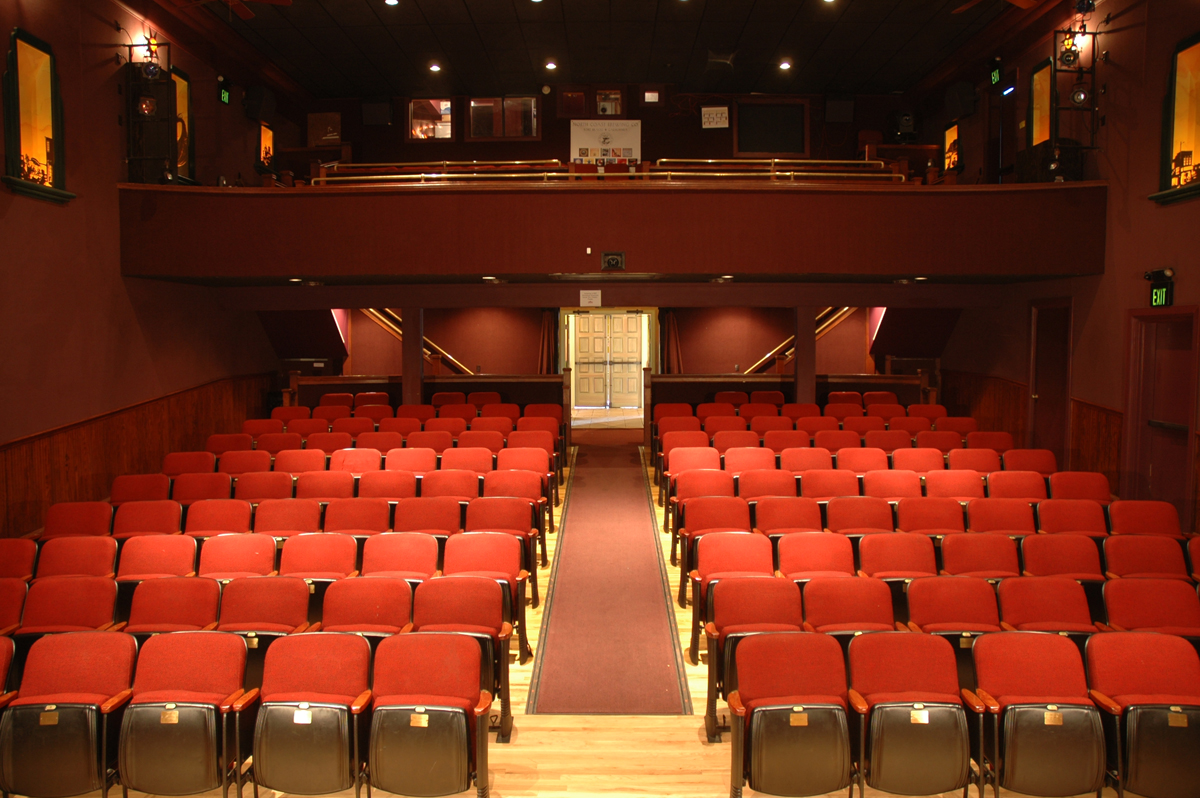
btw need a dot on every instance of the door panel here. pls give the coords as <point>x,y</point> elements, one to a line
<point>625,339</point>
<point>608,359</point>
<point>591,378</point>
<point>1050,385</point>
<point>1167,359</point>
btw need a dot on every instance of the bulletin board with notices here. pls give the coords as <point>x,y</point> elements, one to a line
<point>606,141</point>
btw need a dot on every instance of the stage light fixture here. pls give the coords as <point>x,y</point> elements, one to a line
<point>1080,95</point>
<point>1160,275</point>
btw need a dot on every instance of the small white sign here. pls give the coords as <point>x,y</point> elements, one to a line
<point>589,299</point>
<point>714,116</point>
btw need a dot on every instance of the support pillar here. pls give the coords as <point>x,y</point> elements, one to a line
<point>806,354</point>
<point>413,354</point>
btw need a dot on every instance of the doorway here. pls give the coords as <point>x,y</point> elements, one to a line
<point>1049,413</point>
<point>607,351</point>
<point>1160,419</point>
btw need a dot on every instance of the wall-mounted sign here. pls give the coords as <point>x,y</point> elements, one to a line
<point>714,116</point>
<point>589,299</point>
<point>1162,295</point>
<point>606,141</point>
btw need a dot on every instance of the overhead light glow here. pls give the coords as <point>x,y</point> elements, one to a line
<point>295,280</point>
<point>551,65</point>
<point>726,276</point>
<point>785,64</point>
<point>434,68</point>
<point>920,279</point>
<point>1009,90</point>
<point>392,2</point>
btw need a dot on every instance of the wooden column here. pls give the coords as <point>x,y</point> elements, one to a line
<point>413,354</point>
<point>806,354</point>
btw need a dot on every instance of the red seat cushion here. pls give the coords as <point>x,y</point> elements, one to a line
<point>178,696</point>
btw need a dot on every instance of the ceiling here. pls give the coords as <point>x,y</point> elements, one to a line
<point>365,48</point>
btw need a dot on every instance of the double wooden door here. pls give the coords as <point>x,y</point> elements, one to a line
<point>608,359</point>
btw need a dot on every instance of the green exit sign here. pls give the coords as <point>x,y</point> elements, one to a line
<point>995,76</point>
<point>225,96</point>
<point>1162,295</point>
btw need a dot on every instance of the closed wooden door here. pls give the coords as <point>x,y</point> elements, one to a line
<point>591,360</point>
<point>608,359</point>
<point>625,356</point>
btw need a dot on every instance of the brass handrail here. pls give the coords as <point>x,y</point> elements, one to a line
<point>831,320</point>
<point>391,321</point>
<point>633,176</point>
<point>445,164</point>
<point>772,162</point>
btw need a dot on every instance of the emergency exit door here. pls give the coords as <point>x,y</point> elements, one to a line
<point>608,359</point>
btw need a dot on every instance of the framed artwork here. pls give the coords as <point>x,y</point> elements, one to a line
<point>430,120</point>
<point>1180,176</point>
<point>33,126</point>
<point>185,146</point>
<point>511,118</point>
<point>1041,98</point>
<point>266,148</point>
<point>950,162</point>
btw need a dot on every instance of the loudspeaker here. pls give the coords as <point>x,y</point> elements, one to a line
<point>259,102</point>
<point>152,143</point>
<point>902,127</point>
<point>960,100</point>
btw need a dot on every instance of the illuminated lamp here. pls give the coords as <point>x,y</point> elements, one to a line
<point>1080,95</point>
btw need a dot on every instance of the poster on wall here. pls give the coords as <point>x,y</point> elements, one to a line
<point>606,141</point>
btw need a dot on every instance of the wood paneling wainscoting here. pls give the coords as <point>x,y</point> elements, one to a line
<point>78,462</point>
<point>1096,441</point>
<point>996,403</point>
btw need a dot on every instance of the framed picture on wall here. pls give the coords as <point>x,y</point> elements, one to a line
<point>1180,173</point>
<point>950,161</point>
<point>33,121</point>
<point>1041,97</point>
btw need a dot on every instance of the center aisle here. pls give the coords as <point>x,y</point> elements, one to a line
<point>608,643</point>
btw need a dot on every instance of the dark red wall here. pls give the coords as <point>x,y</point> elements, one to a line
<point>499,340</point>
<point>81,339</point>
<point>715,340</point>
<point>1141,234</point>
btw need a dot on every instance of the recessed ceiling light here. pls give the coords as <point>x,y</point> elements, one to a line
<point>490,279</point>
<point>392,2</point>
<point>726,276</point>
<point>295,280</point>
<point>785,64</point>
<point>920,279</point>
<point>551,65</point>
<point>434,68</point>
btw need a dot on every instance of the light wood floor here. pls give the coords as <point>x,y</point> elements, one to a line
<point>576,756</point>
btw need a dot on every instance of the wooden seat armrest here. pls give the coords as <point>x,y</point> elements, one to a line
<point>245,699</point>
<point>316,627</point>
<point>993,706</point>
<point>35,534</point>
<point>1113,627</point>
<point>117,701</point>
<point>862,573</point>
<point>436,573</point>
<point>27,578</point>
<point>105,627</point>
<point>360,703</point>
<point>1111,575</point>
<point>7,698</point>
<point>857,702</point>
<point>301,628</point>
<point>1026,573</point>
<point>780,575</point>
<point>943,572</point>
<point>1008,627</point>
<point>735,704</point>
<point>408,627</point>
<point>111,575</point>
<point>209,627</point>
<point>352,574</point>
<point>1102,627</point>
<point>522,575</point>
<point>1195,578</point>
<point>911,627</point>
<point>8,630</point>
<point>505,631</point>
<point>226,705</point>
<point>972,701</point>
<point>827,529</point>
<point>1105,703</point>
<point>273,573</point>
<point>485,703</point>
<point>116,627</point>
<point>808,627</point>
<point>694,576</point>
<point>710,631</point>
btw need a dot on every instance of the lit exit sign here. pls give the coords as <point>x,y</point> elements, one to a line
<point>225,96</point>
<point>995,76</point>
<point>1162,295</point>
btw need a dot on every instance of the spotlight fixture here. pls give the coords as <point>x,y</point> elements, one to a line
<point>1069,57</point>
<point>1079,95</point>
<point>434,68</point>
<point>551,65</point>
<point>785,64</point>
<point>152,46</point>
<point>1160,275</point>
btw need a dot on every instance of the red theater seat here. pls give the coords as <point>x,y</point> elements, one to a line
<point>985,556</point>
<point>226,557</point>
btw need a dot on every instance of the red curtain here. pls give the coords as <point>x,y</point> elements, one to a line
<point>672,361</point>
<point>548,348</point>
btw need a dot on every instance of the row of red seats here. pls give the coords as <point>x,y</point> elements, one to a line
<point>265,432</point>
<point>275,442</point>
<point>316,729</point>
<point>792,706</point>
<point>834,410</point>
<point>382,410</point>
<point>779,434</point>
<point>382,398</point>
<point>924,519</point>
<point>259,596</point>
